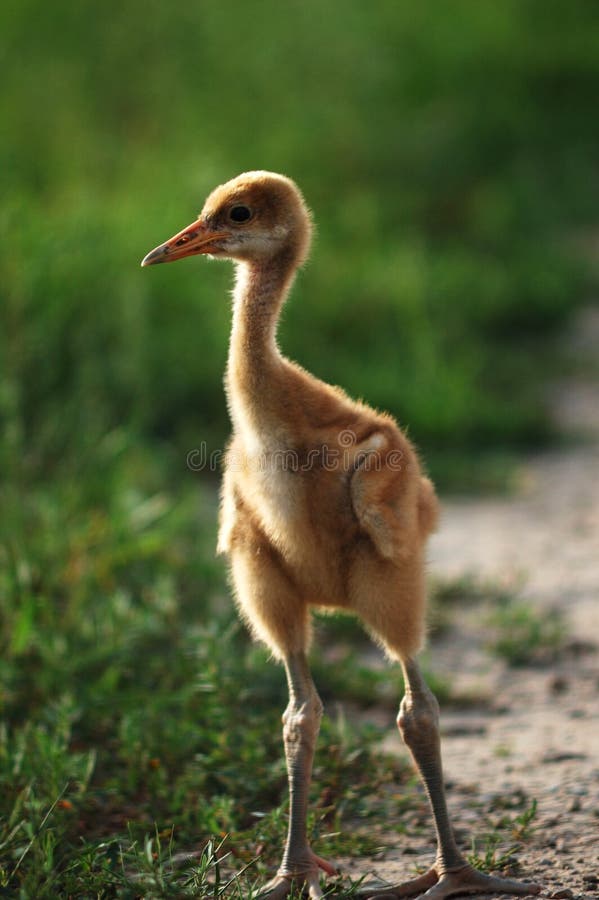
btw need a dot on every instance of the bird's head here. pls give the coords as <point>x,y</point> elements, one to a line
<point>255,217</point>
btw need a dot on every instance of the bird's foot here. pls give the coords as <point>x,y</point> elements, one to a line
<point>304,875</point>
<point>438,886</point>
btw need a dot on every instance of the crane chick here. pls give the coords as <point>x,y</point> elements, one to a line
<point>324,504</point>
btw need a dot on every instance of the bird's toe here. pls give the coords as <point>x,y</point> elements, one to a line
<point>469,880</point>
<point>466,880</point>
<point>278,888</point>
<point>411,888</point>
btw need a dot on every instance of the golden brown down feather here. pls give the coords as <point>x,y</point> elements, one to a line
<point>323,505</point>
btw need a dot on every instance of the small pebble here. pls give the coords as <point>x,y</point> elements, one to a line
<point>558,684</point>
<point>555,756</point>
<point>564,894</point>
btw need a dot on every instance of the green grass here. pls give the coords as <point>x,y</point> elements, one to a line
<point>467,591</point>
<point>523,635</point>
<point>498,849</point>
<point>519,633</point>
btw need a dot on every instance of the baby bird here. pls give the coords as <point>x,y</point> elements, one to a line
<point>324,504</point>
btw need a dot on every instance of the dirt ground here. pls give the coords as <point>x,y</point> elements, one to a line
<point>536,735</point>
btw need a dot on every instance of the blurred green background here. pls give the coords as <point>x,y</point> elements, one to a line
<point>448,151</point>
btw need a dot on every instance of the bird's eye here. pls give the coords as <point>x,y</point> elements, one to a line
<point>240,214</point>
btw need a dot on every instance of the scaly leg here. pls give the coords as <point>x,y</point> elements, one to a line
<point>418,722</point>
<point>301,721</point>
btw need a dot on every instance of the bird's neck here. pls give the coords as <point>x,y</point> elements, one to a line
<point>255,366</point>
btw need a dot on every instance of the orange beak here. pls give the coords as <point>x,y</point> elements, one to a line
<point>196,238</point>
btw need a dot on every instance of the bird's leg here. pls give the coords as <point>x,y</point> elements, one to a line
<point>418,722</point>
<point>301,722</point>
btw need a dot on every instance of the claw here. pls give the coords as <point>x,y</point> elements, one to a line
<point>314,891</point>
